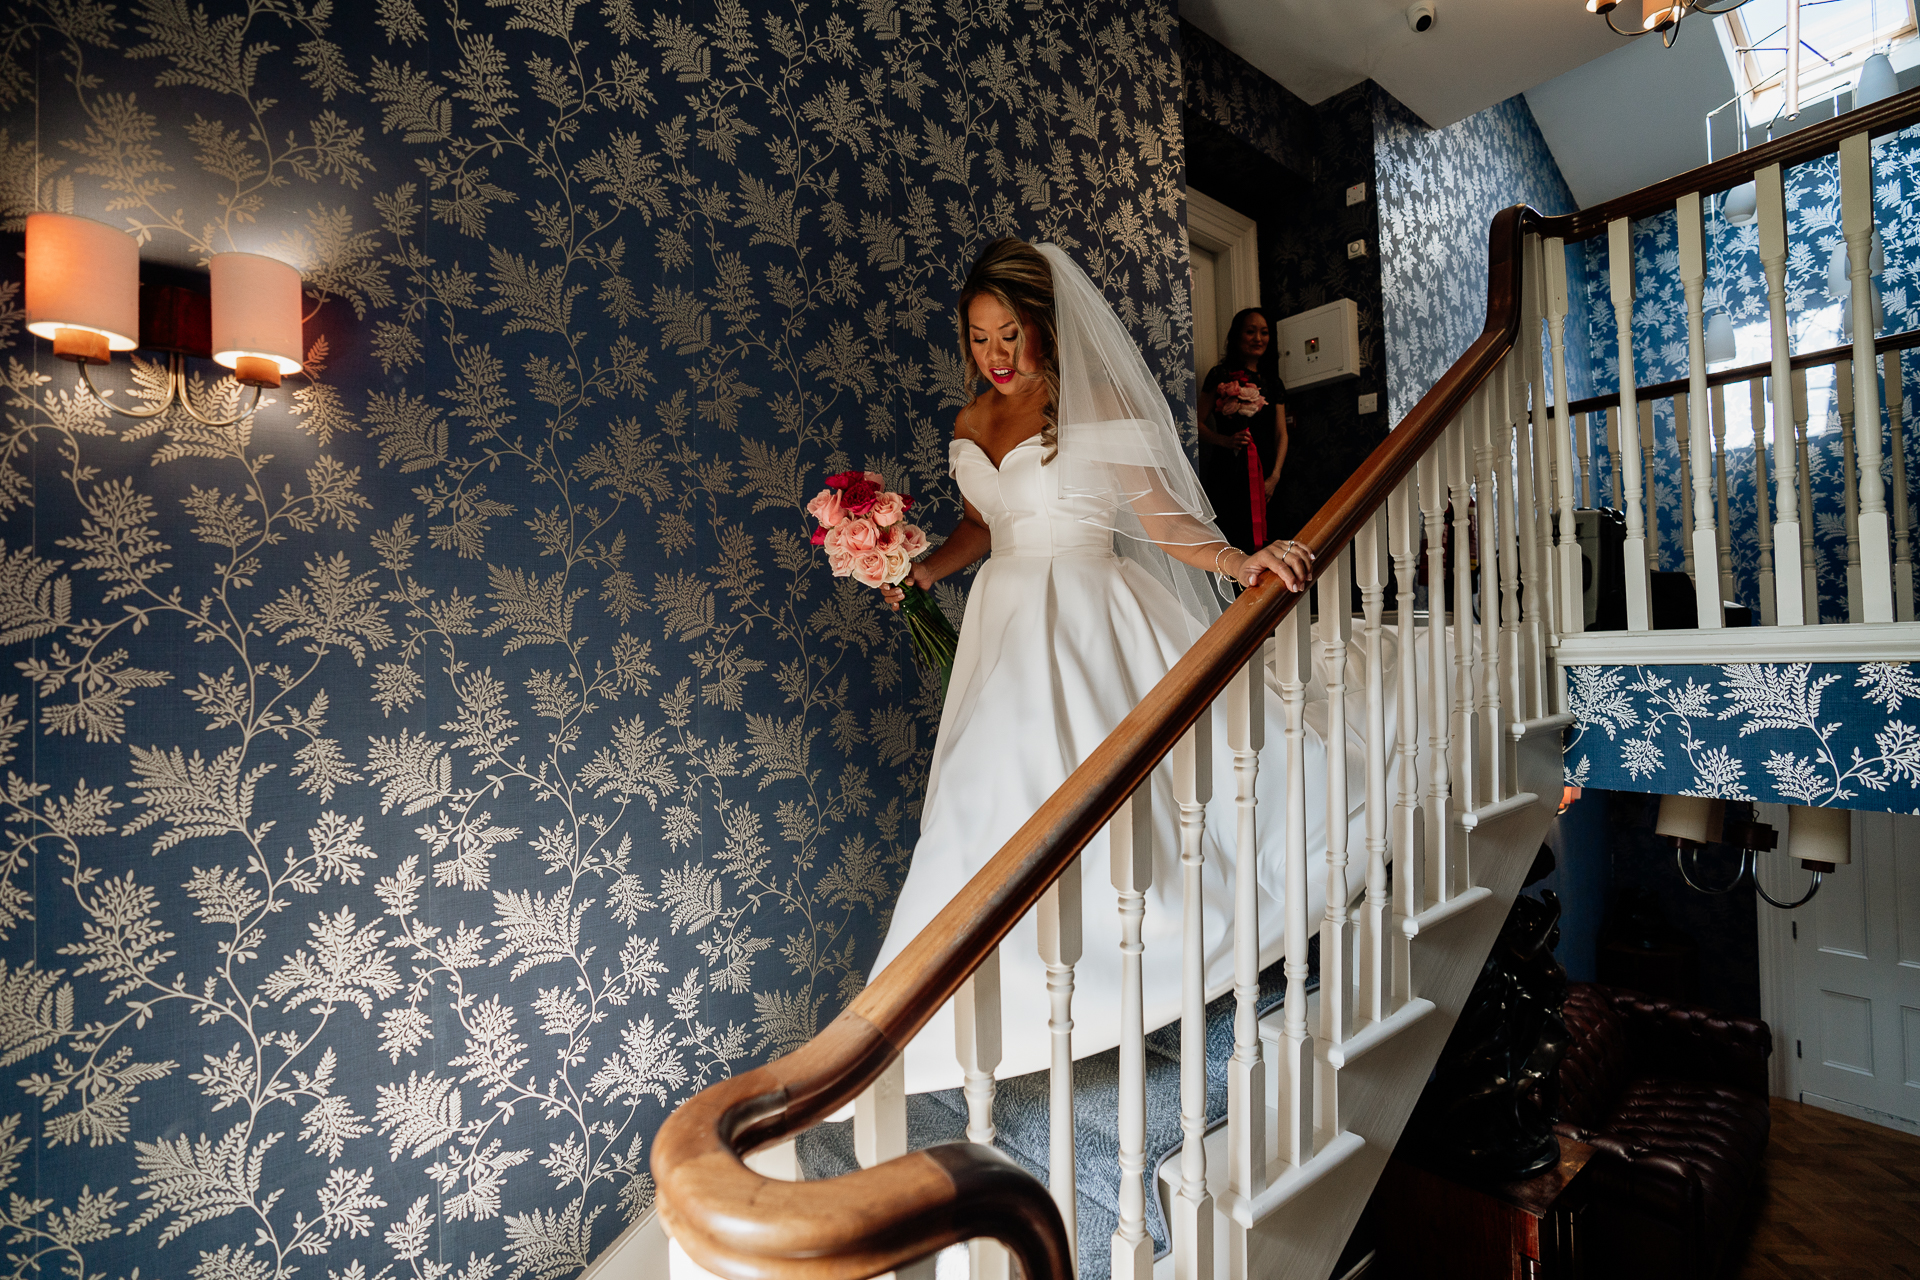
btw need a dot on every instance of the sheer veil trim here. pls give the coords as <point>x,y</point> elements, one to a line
<point>1119,446</point>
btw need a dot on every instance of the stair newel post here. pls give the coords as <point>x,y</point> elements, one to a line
<point>1490,485</point>
<point>1763,518</point>
<point>1627,461</point>
<point>1334,630</point>
<point>1803,495</point>
<point>1703,549</point>
<point>1648,439</point>
<point>1466,690</point>
<point>1568,435</point>
<point>1902,533</point>
<point>1058,923</point>
<point>1369,557</point>
<point>1856,220</point>
<point>1432,469</point>
<point>1849,489</point>
<point>1296,1042</point>
<point>1244,704</point>
<point>1131,837</point>
<point>1723,523</point>
<point>1192,1223</point>
<point>1408,862</point>
<point>976,1033</point>
<point>1791,606</point>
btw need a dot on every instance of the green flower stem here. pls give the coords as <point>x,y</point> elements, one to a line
<point>932,635</point>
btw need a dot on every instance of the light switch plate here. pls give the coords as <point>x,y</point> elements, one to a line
<point>1357,193</point>
<point>1370,402</point>
<point>1356,248</point>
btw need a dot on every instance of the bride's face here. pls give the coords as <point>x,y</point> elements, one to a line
<point>993,334</point>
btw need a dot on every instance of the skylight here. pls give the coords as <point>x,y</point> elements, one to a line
<point>1835,38</point>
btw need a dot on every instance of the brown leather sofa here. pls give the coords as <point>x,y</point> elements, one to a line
<point>1675,1099</point>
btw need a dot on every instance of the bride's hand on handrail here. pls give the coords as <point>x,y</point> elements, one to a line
<point>921,577</point>
<point>1290,561</point>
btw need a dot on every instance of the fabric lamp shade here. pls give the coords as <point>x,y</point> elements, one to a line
<point>1876,81</point>
<point>1742,206</point>
<point>1820,835</point>
<point>1721,345</point>
<point>82,277</point>
<point>256,316</point>
<point>1658,15</point>
<point>1694,819</point>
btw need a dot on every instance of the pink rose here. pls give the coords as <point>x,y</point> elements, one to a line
<point>912,540</point>
<point>888,509</point>
<point>826,508</point>
<point>841,563</point>
<point>898,563</point>
<point>859,496</point>
<point>870,567</point>
<point>859,535</point>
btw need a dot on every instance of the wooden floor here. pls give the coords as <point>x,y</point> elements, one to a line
<point>1840,1200</point>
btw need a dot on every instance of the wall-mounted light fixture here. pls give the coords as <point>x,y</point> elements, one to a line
<point>83,295</point>
<point>1820,839</point>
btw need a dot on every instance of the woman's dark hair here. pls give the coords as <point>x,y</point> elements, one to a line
<point>1014,273</point>
<point>1270,358</point>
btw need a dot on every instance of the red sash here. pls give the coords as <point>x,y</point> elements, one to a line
<point>1256,496</point>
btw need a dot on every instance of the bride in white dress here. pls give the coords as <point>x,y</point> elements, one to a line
<point>1098,541</point>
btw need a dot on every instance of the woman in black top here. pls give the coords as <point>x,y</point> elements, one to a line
<point>1245,377</point>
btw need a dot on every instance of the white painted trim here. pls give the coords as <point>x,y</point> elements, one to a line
<point>1234,238</point>
<point>1858,1112</point>
<point>1777,1005</point>
<point>1861,642</point>
<point>639,1253</point>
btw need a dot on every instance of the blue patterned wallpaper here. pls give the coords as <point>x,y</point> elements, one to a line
<point>1835,734</point>
<point>416,792</point>
<point>1439,190</point>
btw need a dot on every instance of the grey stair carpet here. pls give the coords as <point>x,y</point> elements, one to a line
<point>1020,1117</point>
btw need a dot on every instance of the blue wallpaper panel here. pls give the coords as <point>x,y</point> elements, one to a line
<point>413,794</point>
<point>1836,735</point>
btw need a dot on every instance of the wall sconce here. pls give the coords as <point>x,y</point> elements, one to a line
<point>1821,839</point>
<point>83,294</point>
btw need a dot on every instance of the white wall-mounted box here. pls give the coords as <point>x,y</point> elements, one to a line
<point>1321,345</point>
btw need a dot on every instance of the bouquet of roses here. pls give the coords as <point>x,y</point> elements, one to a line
<point>1236,399</point>
<point>864,530</point>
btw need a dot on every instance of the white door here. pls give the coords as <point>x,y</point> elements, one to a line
<point>1206,320</point>
<point>1853,1035</point>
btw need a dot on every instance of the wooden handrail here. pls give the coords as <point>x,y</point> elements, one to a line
<point>741,1225</point>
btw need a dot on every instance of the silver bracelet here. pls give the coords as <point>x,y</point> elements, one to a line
<point>1216,562</point>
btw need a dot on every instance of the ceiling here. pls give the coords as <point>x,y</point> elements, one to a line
<point>1477,53</point>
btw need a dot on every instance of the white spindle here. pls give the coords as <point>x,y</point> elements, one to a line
<point>1902,533</point>
<point>1849,489</point>
<point>1192,1224</point>
<point>1059,922</point>
<point>1703,549</point>
<point>1403,528</point>
<point>880,1117</point>
<point>1791,606</point>
<point>1433,468</point>
<point>976,1033</point>
<point>1651,472</point>
<point>1763,518</point>
<point>1369,557</point>
<point>1491,483</point>
<point>1683,445</point>
<point>1539,469</point>
<point>1244,704</point>
<point>1131,837</point>
<point>1516,537</point>
<point>1333,631</point>
<point>1809,562</point>
<point>1620,272</point>
<point>1616,499</point>
<point>1296,1066</point>
<point>1466,690</point>
<point>1856,218</point>
<point>1583,442</point>
<point>1723,523</point>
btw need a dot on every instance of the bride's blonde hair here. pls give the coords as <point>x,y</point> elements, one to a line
<point>1012,272</point>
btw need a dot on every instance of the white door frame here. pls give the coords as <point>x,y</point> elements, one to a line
<point>1233,238</point>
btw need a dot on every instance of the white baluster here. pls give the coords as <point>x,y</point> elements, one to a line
<point>1703,552</point>
<point>1491,482</point>
<point>1369,557</point>
<point>1620,272</point>
<point>1514,490</point>
<point>1791,605</point>
<point>1570,432</point>
<point>1131,836</point>
<point>976,1033</point>
<point>1192,1215</point>
<point>1296,1045</point>
<point>1584,443</point>
<point>1723,523</point>
<point>1535,464</point>
<point>1809,561</point>
<point>1059,925</point>
<point>1243,702</point>
<point>1403,529</point>
<point>879,1135</point>
<point>1902,533</point>
<point>1856,217</point>
<point>1849,489</point>
<point>1433,467</point>
<point>1615,498</point>
<point>1648,439</point>
<point>1333,632</point>
<point>1467,772</point>
<point>1683,444</point>
<point>1763,518</point>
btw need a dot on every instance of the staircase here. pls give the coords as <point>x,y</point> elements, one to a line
<point>1317,1084</point>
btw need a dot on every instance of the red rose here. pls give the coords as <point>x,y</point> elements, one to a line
<point>819,535</point>
<point>859,496</point>
<point>842,479</point>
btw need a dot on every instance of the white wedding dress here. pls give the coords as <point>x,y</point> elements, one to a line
<point>1062,638</point>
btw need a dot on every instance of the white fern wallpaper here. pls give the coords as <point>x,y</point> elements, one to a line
<point>412,794</point>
